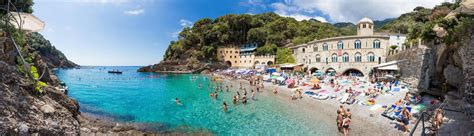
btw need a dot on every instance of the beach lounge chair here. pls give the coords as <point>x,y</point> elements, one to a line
<point>344,98</point>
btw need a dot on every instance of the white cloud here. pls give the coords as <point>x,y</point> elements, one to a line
<point>349,10</point>
<point>291,11</point>
<point>134,12</point>
<point>186,23</point>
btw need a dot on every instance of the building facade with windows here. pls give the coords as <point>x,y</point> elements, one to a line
<point>346,54</point>
<point>244,57</point>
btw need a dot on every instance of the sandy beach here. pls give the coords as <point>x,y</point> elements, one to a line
<point>364,121</point>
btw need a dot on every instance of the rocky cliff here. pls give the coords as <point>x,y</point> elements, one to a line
<point>50,55</point>
<point>24,110</point>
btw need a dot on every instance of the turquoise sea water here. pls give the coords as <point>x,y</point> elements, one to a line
<point>149,98</point>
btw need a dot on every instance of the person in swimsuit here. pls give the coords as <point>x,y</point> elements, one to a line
<point>215,95</point>
<point>349,113</point>
<point>339,121</point>
<point>406,120</point>
<point>178,102</point>
<point>275,91</point>
<point>212,95</point>
<point>345,125</point>
<point>244,99</point>
<point>225,106</point>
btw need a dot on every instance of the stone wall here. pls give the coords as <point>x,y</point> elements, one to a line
<point>416,67</point>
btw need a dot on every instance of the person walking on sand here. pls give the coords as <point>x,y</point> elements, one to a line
<point>345,125</point>
<point>341,109</point>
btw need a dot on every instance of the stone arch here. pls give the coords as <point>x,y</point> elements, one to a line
<point>449,70</point>
<point>313,69</point>
<point>330,70</point>
<point>269,63</point>
<point>353,71</point>
<point>228,63</point>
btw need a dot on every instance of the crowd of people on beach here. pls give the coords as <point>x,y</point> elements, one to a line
<point>341,85</point>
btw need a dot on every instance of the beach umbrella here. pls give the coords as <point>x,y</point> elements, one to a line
<point>314,80</point>
<point>27,22</point>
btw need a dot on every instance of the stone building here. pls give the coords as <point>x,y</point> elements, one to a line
<point>347,54</point>
<point>244,57</point>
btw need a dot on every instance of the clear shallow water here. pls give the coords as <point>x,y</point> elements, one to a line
<point>147,98</point>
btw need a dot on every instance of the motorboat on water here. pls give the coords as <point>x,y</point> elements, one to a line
<point>115,72</point>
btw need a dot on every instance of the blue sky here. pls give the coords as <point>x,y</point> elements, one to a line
<point>137,32</point>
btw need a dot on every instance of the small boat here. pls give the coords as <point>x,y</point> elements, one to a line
<point>115,72</point>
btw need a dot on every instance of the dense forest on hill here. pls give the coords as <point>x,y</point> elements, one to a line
<point>269,30</point>
<point>273,32</point>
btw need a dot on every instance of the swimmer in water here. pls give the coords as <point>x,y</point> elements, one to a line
<point>212,95</point>
<point>200,86</point>
<point>215,95</point>
<point>225,106</point>
<point>178,102</point>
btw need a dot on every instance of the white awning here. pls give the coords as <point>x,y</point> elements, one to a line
<point>386,64</point>
<point>389,67</point>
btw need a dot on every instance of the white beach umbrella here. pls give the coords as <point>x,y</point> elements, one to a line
<point>27,22</point>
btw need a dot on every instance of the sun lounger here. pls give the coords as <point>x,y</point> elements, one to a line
<point>344,98</point>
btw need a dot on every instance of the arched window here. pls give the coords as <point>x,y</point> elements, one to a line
<point>303,50</point>
<point>325,47</point>
<point>358,57</point>
<point>376,44</point>
<point>340,45</point>
<point>334,57</point>
<point>315,48</point>
<point>318,58</point>
<point>370,57</point>
<point>345,57</point>
<point>357,44</point>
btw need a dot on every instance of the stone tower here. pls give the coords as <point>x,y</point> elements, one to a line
<point>365,27</point>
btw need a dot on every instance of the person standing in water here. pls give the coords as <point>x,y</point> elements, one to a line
<point>225,106</point>
<point>215,95</point>
<point>253,95</point>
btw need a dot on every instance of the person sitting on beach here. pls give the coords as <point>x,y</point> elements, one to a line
<point>178,102</point>
<point>225,106</point>
<point>345,125</point>
<point>399,102</point>
<point>438,118</point>
<point>405,119</point>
